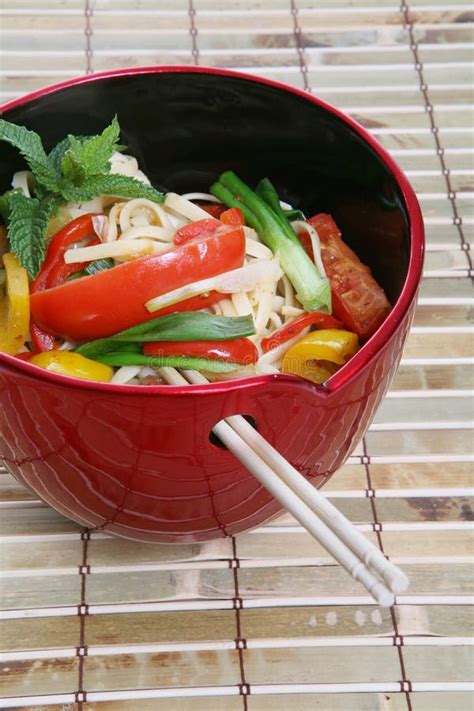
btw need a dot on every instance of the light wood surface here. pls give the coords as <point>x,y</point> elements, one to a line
<point>161,631</point>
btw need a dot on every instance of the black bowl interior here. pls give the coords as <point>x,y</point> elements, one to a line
<point>186,128</point>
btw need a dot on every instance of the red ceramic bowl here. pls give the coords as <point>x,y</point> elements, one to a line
<point>137,461</point>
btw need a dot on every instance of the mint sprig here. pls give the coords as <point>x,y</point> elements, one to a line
<point>77,169</point>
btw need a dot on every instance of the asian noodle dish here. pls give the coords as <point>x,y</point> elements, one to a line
<point>105,278</point>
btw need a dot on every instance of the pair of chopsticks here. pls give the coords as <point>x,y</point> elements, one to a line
<point>352,550</point>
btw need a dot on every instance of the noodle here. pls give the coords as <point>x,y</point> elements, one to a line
<point>228,308</point>
<point>275,320</point>
<point>201,196</point>
<point>126,373</point>
<point>112,228</point>
<point>21,181</point>
<point>143,212</point>
<point>242,304</point>
<point>299,225</point>
<point>264,307</point>
<point>121,164</point>
<point>150,231</point>
<point>76,209</point>
<point>257,249</point>
<point>185,207</point>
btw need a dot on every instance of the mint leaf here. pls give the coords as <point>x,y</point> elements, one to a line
<point>31,148</point>
<point>112,184</point>
<point>56,155</point>
<point>28,220</point>
<point>72,169</point>
<point>93,154</point>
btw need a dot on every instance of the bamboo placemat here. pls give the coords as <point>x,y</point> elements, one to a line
<point>267,621</point>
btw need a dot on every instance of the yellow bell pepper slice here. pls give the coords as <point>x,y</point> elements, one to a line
<point>14,306</point>
<point>319,354</point>
<point>73,364</point>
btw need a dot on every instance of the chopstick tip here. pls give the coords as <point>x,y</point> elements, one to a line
<point>397,581</point>
<point>384,597</point>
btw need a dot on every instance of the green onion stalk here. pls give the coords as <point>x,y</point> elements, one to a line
<point>183,326</point>
<point>262,211</point>
<point>122,358</point>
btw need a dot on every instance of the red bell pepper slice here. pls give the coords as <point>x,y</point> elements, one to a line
<point>208,226</point>
<point>25,356</point>
<point>196,230</point>
<point>42,340</point>
<point>292,329</point>
<point>55,271</point>
<point>357,300</point>
<point>112,300</point>
<point>240,350</point>
<point>76,231</point>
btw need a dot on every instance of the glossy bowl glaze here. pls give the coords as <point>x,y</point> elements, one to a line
<point>137,461</point>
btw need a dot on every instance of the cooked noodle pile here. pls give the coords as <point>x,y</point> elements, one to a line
<point>152,227</point>
<point>106,278</point>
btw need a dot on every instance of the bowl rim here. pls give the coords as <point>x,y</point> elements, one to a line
<point>367,352</point>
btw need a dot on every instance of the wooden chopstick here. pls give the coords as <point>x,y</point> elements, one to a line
<point>395,578</point>
<point>322,520</point>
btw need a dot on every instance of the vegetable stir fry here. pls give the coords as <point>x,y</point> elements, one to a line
<point>105,278</point>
